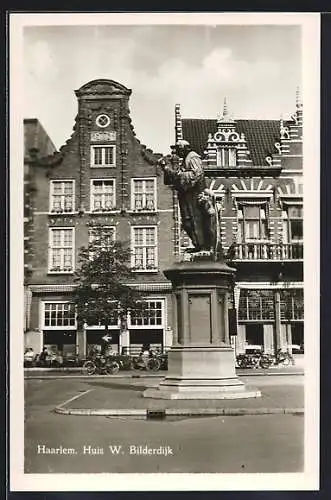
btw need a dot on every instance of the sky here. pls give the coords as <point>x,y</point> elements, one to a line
<point>257,68</point>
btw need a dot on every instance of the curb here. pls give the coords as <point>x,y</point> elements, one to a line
<point>154,375</point>
<point>162,414</point>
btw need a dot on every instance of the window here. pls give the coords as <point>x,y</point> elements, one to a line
<point>108,235</point>
<point>144,194</point>
<point>256,305</point>
<point>61,250</point>
<point>293,224</point>
<point>103,195</point>
<point>226,157</point>
<point>291,305</point>
<point>102,156</point>
<point>152,317</point>
<point>59,314</point>
<point>62,196</point>
<point>252,223</point>
<point>144,246</point>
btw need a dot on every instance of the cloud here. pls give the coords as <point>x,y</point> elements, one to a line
<point>219,71</point>
<point>40,60</point>
<point>162,68</point>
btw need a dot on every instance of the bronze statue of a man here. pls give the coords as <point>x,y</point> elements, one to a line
<point>197,205</point>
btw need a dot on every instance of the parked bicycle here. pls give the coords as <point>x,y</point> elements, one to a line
<point>264,360</point>
<point>151,362</point>
<point>254,360</point>
<point>100,365</point>
<point>282,358</point>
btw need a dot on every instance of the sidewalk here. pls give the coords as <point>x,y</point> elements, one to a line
<point>72,373</point>
<point>123,397</point>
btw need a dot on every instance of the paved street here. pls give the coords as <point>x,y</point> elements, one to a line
<point>264,443</point>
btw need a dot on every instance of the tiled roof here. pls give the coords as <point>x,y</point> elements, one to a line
<point>261,136</point>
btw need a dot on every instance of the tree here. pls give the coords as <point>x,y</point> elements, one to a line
<point>102,296</point>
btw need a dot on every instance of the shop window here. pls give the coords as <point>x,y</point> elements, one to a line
<point>59,314</point>
<point>152,317</point>
<point>256,305</point>
<point>291,305</point>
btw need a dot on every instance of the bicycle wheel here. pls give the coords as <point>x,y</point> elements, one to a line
<point>265,362</point>
<point>88,368</point>
<point>285,361</point>
<point>112,367</point>
<point>153,365</point>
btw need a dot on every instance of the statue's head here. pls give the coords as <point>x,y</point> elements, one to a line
<point>181,148</point>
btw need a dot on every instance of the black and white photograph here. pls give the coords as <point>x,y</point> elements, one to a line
<point>164,173</point>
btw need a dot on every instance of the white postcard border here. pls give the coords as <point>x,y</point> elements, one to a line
<point>308,480</point>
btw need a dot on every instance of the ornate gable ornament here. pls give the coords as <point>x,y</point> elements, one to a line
<point>226,137</point>
<point>102,87</point>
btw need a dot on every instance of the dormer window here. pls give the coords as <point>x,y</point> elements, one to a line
<point>226,157</point>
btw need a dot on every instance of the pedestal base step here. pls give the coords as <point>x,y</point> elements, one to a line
<point>179,389</point>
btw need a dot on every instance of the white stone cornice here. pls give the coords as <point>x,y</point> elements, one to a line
<point>65,288</point>
<point>52,288</point>
<point>252,194</point>
<point>264,285</point>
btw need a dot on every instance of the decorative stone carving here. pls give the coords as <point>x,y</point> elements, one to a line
<point>284,132</point>
<point>226,136</point>
<point>103,136</point>
<point>294,118</point>
<point>278,147</point>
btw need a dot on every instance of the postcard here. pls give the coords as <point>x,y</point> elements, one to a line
<point>164,174</point>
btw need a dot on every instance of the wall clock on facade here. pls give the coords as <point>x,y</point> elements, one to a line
<point>102,120</point>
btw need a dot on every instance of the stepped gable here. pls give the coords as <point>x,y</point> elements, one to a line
<point>261,136</point>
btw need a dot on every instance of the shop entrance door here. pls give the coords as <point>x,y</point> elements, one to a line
<point>254,336</point>
<point>140,338</point>
<point>59,341</point>
<point>297,337</point>
<point>94,340</point>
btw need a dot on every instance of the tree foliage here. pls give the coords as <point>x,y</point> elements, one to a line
<point>102,294</point>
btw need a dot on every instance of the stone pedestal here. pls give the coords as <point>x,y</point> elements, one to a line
<point>201,364</point>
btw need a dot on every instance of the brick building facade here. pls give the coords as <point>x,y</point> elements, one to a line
<point>104,175</point>
<point>254,167</point>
